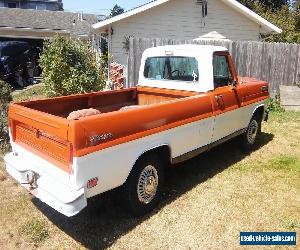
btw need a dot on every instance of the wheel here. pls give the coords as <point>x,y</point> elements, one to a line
<point>249,138</point>
<point>143,188</point>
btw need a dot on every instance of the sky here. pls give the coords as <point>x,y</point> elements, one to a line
<point>99,6</point>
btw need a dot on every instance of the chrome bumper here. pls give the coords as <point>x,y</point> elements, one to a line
<point>46,188</point>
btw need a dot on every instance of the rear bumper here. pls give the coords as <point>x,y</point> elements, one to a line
<point>46,188</point>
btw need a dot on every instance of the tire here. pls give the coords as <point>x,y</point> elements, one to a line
<point>250,137</point>
<point>143,188</point>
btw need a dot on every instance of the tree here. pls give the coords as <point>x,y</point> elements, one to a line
<point>283,13</point>
<point>266,4</point>
<point>288,20</point>
<point>274,4</point>
<point>116,10</point>
<point>248,3</point>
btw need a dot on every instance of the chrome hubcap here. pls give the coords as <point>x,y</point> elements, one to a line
<point>252,131</point>
<point>147,184</point>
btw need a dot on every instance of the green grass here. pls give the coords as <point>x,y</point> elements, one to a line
<point>285,116</point>
<point>36,229</point>
<point>292,225</point>
<point>286,163</point>
<point>34,92</point>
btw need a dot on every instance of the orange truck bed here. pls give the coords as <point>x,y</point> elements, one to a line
<point>41,126</point>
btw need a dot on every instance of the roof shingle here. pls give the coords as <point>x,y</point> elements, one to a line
<point>52,20</point>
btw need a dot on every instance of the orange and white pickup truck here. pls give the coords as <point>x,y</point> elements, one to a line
<point>189,99</point>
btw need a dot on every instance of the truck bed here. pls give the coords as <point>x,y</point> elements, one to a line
<point>105,102</point>
<point>42,127</point>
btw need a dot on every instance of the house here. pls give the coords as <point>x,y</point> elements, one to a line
<point>36,25</point>
<point>53,5</point>
<point>188,19</point>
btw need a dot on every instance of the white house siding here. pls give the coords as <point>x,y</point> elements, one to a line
<point>179,19</point>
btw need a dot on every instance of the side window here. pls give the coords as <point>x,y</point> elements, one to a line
<point>222,74</point>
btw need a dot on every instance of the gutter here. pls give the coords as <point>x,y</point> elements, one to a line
<point>6,28</point>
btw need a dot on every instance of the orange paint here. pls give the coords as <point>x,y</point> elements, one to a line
<point>41,127</point>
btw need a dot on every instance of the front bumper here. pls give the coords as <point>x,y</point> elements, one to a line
<point>57,195</point>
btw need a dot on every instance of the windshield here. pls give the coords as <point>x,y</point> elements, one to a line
<point>172,68</point>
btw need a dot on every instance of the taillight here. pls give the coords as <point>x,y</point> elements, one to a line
<point>92,182</point>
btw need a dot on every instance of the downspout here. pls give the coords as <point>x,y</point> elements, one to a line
<point>109,44</point>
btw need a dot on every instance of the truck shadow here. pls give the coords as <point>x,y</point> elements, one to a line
<point>104,220</point>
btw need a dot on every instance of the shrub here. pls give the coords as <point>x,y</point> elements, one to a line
<point>70,67</point>
<point>5,99</point>
<point>274,105</point>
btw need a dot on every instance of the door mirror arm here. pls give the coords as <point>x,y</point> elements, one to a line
<point>234,84</point>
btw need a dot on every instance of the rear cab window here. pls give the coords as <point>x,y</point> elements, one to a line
<point>172,68</point>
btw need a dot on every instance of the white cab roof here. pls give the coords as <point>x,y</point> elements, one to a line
<point>187,49</point>
<point>203,55</point>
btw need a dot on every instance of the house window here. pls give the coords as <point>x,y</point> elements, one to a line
<point>12,5</point>
<point>174,68</point>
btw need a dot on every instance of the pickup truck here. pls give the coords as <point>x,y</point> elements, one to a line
<point>188,100</point>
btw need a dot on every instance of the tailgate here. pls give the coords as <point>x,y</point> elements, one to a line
<point>43,134</point>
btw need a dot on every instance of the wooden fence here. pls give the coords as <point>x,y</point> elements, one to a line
<point>277,63</point>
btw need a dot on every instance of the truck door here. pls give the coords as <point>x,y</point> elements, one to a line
<point>225,97</point>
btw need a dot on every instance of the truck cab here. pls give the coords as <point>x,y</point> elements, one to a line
<point>189,68</point>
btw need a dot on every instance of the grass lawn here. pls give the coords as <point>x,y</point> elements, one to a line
<point>32,92</point>
<point>207,201</point>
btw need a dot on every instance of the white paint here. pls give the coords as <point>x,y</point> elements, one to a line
<point>177,19</point>
<point>52,192</point>
<point>253,16</point>
<point>232,3</point>
<point>229,122</point>
<point>113,165</point>
<point>202,53</point>
<point>213,35</point>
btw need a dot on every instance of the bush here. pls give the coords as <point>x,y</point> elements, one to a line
<point>274,105</point>
<point>5,99</point>
<point>70,67</point>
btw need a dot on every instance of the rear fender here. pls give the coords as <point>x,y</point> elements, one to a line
<point>152,149</point>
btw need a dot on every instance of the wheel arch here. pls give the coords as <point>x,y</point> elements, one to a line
<point>259,110</point>
<point>163,151</point>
